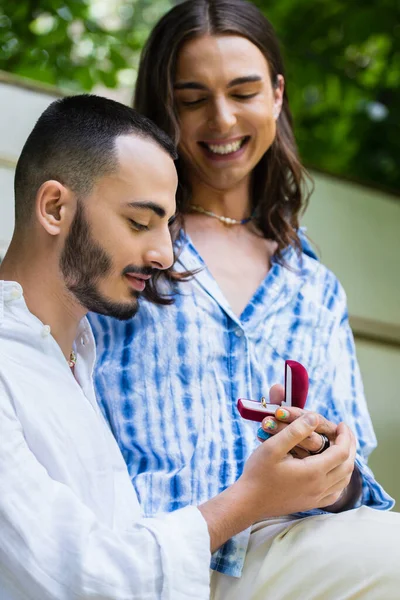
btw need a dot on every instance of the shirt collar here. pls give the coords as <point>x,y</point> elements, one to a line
<point>280,285</point>
<point>24,325</point>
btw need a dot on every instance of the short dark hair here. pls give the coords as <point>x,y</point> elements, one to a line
<point>73,142</point>
<point>279,181</point>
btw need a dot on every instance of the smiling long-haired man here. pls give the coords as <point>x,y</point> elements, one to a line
<point>94,195</point>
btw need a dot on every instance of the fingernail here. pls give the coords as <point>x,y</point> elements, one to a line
<point>269,424</point>
<point>311,418</point>
<point>263,435</point>
<point>282,413</point>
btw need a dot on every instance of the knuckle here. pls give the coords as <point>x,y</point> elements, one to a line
<point>292,431</point>
<point>315,442</point>
<point>335,497</point>
<point>343,454</point>
<point>347,482</point>
<point>315,483</point>
<point>352,436</point>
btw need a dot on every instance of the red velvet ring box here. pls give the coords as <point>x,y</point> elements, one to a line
<point>296,389</point>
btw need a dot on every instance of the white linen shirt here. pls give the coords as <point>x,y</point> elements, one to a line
<point>70,521</point>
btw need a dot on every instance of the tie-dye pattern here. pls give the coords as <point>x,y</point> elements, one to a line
<point>168,381</point>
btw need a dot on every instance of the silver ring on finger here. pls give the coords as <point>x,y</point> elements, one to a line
<point>325,443</point>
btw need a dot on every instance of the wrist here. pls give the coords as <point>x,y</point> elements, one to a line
<point>227,514</point>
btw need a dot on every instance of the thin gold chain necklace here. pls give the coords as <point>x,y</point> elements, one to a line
<point>72,359</point>
<point>224,220</point>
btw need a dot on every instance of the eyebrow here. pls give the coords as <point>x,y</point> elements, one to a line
<point>194,85</point>
<point>146,205</point>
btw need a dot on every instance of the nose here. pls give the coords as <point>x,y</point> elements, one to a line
<point>221,116</point>
<point>160,254</point>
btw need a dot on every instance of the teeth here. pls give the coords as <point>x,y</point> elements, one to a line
<point>225,148</point>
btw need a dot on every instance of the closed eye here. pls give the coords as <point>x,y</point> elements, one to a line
<point>245,96</point>
<point>236,96</point>
<point>193,102</point>
<point>172,221</point>
<point>137,226</point>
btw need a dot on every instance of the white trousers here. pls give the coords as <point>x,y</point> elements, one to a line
<point>351,555</point>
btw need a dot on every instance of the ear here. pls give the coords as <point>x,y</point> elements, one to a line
<point>54,207</point>
<point>278,91</point>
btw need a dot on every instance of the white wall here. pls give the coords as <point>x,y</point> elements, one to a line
<point>380,366</point>
<point>358,232</point>
<point>19,109</point>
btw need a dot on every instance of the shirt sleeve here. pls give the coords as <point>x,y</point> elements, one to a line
<point>52,546</point>
<point>342,399</point>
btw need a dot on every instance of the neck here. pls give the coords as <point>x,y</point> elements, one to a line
<point>44,291</point>
<point>234,203</point>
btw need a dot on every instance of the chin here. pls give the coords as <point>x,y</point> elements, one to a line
<point>228,182</point>
<point>122,310</point>
<point>118,310</point>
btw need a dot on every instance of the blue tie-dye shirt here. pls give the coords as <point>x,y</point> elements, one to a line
<point>168,381</point>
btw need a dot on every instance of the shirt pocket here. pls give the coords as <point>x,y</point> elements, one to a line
<point>304,339</point>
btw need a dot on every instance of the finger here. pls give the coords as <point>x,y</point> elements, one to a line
<point>345,434</point>
<point>314,443</point>
<point>283,442</point>
<point>277,394</point>
<point>347,467</point>
<point>288,414</point>
<point>311,444</point>
<point>327,501</point>
<point>298,452</point>
<point>342,473</point>
<point>262,435</point>
<point>271,425</point>
<point>335,491</point>
<point>345,430</point>
<point>337,454</point>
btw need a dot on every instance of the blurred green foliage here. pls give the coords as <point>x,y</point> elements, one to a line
<point>343,73</point>
<point>342,60</point>
<point>76,44</point>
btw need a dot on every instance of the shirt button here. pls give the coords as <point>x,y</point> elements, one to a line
<point>16,293</point>
<point>238,332</point>
<point>46,330</point>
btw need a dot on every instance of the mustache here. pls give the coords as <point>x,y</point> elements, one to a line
<point>131,269</point>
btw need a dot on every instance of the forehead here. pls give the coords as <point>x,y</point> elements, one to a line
<point>142,162</point>
<point>219,56</point>
<point>136,151</point>
<point>145,171</point>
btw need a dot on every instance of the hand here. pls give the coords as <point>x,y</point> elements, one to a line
<point>321,482</point>
<point>285,415</point>
<point>274,483</point>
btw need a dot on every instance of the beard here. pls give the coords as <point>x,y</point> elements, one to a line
<point>84,263</point>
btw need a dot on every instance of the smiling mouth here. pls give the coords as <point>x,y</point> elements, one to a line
<point>137,282</point>
<point>225,149</point>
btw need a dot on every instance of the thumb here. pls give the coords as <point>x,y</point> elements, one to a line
<point>284,441</point>
<point>277,394</point>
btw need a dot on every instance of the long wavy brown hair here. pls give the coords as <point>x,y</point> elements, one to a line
<point>279,182</point>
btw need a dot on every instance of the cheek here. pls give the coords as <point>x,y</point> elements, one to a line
<point>262,114</point>
<point>189,126</point>
<point>269,128</point>
<point>187,150</point>
<point>265,125</point>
